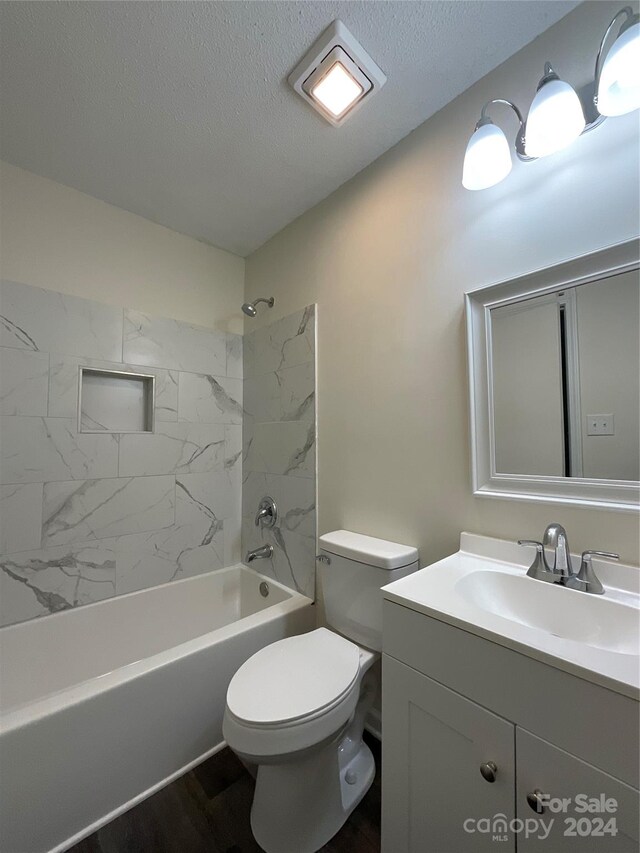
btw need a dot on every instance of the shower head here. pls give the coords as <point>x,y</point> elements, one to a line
<point>249,308</point>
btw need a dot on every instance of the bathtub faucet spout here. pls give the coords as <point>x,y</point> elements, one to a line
<point>265,552</point>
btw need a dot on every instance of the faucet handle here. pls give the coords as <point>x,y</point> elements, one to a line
<point>586,580</point>
<point>587,555</point>
<point>267,514</point>
<point>538,569</point>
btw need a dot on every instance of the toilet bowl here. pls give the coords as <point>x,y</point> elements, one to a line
<point>296,709</point>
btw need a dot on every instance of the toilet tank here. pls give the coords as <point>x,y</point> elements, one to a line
<point>352,569</point>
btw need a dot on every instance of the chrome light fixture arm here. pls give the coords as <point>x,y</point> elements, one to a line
<point>630,19</point>
<point>628,11</point>
<point>519,143</point>
<point>584,111</point>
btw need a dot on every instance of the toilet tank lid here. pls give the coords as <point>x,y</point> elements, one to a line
<point>368,549</point>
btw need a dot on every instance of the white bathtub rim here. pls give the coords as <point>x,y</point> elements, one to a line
<point>105,602</point>
<point>125,807</point>
<point>30,712</point>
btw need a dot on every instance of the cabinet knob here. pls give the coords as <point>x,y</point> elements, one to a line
<point>489,771</point>
<point>535,800</point>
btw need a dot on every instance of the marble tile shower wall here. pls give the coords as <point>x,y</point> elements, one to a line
<point>279,446</point>
<point>87,516</point>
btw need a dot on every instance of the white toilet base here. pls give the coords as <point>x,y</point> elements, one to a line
<point>303,797</point>
<point>301,803</point>
<point>298,807</point>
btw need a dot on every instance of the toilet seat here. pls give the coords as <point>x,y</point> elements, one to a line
<point>294,680</point>
<point>292,695</point>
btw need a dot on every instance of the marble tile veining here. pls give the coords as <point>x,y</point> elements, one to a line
<point>283,395</point>
<point>278,446</point>
<point>36,319</point>
<point>180,448</point>
<point>207,495</point>
<point>85,516</point>
<point>294,555</point>
<point>294,535</point>
<point>148,559</point>
<point>283,448</point>
<point>36,583</point>
<point>23,382</point>
<point>296,500</point>
<point>233,449</point>
<point>166,408</point>
<point>161,342</point>
<point>35,450</point>
<point>293,561</point>
<point>285,343</point>
<point>105,508</point>
<point>209,399</point>
<point>233,473</point>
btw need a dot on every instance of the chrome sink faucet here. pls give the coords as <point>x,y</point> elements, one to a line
<point>556,552</point>
<point>552,562</point>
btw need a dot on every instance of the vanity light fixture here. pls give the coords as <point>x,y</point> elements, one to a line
<point>618,77</point>
<point>487,160</point>
<point>557,116</point>
<point>336,75</point>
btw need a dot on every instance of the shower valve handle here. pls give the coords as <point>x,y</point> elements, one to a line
<point>267,514</point>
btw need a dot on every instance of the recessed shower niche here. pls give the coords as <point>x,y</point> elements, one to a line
<point>115,401</point>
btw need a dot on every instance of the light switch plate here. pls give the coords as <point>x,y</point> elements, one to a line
<point>600,425</point>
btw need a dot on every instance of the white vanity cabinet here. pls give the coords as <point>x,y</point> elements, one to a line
<point>454,702</point>
<point>435,742</point>
<point>545,767</point>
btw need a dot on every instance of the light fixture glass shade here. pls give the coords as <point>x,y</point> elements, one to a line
<point>487,160</point>
<point>619,84</point>
<point>555,119</point>
<point>337,90</point>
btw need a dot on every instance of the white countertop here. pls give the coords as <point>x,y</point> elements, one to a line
<point>484,590</point>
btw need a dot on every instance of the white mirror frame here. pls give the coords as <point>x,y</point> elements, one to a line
<point>487,482</point>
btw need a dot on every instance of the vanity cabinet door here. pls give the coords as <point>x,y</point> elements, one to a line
<point>554,772</point>
<point>434,744</point>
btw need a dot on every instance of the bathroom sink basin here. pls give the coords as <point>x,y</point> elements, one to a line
<point>484,589</point>
<point>555,610</point>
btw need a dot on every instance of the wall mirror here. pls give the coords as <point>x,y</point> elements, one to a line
<point>554,378</point>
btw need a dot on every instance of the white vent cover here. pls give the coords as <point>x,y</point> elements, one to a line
<point>337,75</point>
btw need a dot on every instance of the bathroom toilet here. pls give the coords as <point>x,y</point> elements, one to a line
<point>296,709</point>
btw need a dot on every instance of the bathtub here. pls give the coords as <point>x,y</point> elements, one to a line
<point>104,705</point>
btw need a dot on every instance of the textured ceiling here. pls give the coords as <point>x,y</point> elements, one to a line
<point>180,111</point>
